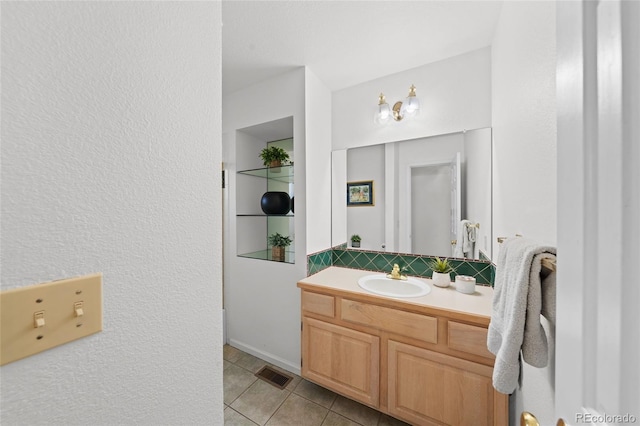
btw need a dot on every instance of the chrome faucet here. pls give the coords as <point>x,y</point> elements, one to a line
<point>395,273</point>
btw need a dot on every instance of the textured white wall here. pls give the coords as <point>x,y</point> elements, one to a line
<point>524,134</point>
<point>455,94</point>
<point>110,153</point>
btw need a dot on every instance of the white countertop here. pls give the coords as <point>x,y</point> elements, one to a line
<point>346,280</point>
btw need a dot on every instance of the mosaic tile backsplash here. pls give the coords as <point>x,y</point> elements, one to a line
<point>318,261</point>
<point>416,265</point>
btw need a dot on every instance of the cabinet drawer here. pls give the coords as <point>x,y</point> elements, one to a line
<point>318,304</point>
<point>408,324</point>
<point>468,338</point>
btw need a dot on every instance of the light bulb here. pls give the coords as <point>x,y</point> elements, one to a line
<point>383,112</point>
<point>411,105</point>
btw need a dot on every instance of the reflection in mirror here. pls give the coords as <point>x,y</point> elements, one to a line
<point>432,195</point>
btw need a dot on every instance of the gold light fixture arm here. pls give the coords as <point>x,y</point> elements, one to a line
<point>396,111</point>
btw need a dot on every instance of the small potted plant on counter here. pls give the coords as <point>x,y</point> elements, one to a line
<point>278,243</point>
<point>441,270</point>
<point>274,156</point>
<point>355,240</point>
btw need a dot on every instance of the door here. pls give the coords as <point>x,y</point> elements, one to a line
<point>598,321</point>
<point>429,209</point>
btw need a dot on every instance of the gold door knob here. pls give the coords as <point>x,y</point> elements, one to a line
<point>454,242</point>
<point>528,419</point>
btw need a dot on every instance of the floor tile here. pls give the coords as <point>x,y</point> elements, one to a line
<point>230,353</point>
<point>250,362</point>
<point>390,421</point>
<point>334,419</point>
<point>236,381</point>
<point>355,411</point>
<point>260,401</point>
<point>315,393</point>
<point>233,418</point>
<point>297,411</point>
<point>225,364</point>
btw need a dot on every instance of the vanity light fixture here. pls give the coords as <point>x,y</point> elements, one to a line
<point>409,108</point>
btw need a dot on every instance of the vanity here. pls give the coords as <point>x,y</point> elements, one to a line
<point>421,359</point>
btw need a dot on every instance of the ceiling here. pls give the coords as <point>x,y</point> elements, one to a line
<point>346,43</point>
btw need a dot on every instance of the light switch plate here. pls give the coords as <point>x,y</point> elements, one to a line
<point>43,316</point>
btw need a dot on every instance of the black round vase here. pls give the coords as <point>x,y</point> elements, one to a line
<point>275,202</point>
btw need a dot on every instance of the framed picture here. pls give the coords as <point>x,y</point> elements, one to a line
<point>360,193</point>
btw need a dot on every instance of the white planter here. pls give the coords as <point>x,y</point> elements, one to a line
<point>440,279</point>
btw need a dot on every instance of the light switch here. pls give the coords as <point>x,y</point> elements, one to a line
<point>38,319</point>
<point>77,307</point>
<point>43,316</point>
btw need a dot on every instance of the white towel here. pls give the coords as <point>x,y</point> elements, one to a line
<point>520,297</point>
<point>461,236</point>
<point>468,242</point>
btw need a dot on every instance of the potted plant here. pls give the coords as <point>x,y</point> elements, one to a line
<point>441,270</point>
<point>274,156</point>
<point>355,240</point>
<point>278,243</point>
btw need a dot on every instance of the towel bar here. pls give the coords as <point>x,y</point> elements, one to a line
<point>546,263</point>
<point>549,264</point>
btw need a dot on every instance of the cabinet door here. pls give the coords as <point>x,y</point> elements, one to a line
<point>429,388</point>
<point>341,359</point>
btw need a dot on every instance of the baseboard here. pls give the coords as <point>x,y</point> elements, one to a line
<point>270,358</point>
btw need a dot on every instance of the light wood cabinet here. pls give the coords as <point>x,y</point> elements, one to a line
<point>468,338</point>
<point>425,386</point>
<point>424,367</point>
<point>345,360</point>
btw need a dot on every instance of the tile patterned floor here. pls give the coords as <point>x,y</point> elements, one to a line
<point>249,401</point>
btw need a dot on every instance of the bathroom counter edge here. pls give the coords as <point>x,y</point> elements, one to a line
<point>447,301</point>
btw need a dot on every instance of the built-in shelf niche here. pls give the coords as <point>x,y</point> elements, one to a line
<point>253,226</point>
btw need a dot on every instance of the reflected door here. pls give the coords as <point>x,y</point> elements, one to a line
<point>430,208</point>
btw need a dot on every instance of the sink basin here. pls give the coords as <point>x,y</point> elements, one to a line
<point>380,284</point>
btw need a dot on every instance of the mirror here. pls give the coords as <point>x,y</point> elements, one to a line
<point>430,195</point>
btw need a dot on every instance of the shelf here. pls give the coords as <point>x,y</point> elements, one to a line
<point>280,174</point>
<point>289,256</point>
<point>253,226</point>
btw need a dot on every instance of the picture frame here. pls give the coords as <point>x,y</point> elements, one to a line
<point>360,193</point>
